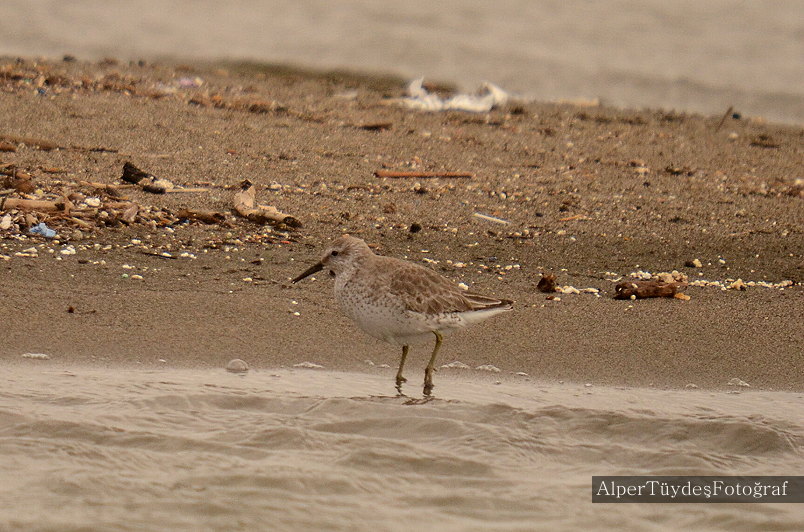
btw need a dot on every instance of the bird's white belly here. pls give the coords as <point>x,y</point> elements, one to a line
<point>390,322</point>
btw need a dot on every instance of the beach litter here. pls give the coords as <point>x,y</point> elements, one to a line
<point>489,96</point>
<point>42,229</point>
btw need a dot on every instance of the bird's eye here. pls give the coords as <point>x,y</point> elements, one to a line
<point>334,253</point>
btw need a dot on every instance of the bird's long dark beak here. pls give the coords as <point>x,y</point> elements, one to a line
<point>308,272</point>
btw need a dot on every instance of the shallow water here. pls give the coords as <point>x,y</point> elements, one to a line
<point>685,54</point>
<point>120,449</point>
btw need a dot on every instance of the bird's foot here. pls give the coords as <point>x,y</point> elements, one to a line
<point>399,381</point>
<point>428,384</point>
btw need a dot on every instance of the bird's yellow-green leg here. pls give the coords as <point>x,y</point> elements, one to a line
<point>428,372</point>
<point>399,378</point>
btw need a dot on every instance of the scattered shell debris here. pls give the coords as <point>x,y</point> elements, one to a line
<point>738,382</point>
<point>455,365</point>
<point>36,356</point>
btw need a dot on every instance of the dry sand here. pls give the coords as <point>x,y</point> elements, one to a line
<point>588,191</point>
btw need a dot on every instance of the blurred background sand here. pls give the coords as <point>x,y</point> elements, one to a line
<point>684,55</point>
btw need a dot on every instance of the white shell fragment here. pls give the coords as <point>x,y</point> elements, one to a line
<point>308,365</point>
<point>36,356</point>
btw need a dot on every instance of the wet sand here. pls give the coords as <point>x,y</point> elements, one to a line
<point>89,448</point>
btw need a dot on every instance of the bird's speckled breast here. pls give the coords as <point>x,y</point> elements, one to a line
<point>380,315</point>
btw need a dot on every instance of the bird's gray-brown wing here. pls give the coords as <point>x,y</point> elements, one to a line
<point>423,290</point>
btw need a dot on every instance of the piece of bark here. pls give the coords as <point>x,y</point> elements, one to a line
<point>245,206</point>
<point>644,289</point>
<point>547,283</point>
<point>207,217</point>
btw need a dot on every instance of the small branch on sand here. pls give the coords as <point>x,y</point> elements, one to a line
<point>725,116</point>
<point>490,218</point>
<point>207,217</point>
<point>574,217</point>
<point>399,174</point>
<point>64,205</point>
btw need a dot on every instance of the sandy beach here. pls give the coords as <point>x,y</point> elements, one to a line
<point>591,194</point>
<point>117,413</point>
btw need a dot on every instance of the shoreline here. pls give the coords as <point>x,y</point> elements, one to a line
<point>586,191</point>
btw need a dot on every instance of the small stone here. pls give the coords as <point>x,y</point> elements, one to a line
<point>588,385</point>
<point>488,367</point>
<point>237,365</point>
<point>691,386</point>
<point>738,285</point>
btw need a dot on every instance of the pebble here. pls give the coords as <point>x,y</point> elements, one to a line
<point>489,367</point>
<point>237,365</point>
<point>691,386</point>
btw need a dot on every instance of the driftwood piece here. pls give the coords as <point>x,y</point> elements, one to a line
<point>63,204</point>
<point>44,145</point>
<point>245,205</point>
<point>644,289</point>
<point>207,217</point>
<point>400,174</point>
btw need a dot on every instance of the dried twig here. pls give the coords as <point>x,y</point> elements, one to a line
<point>207,217</point>
<point>725,116</point>
<point>490,218</point>
<point>400,174</point>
